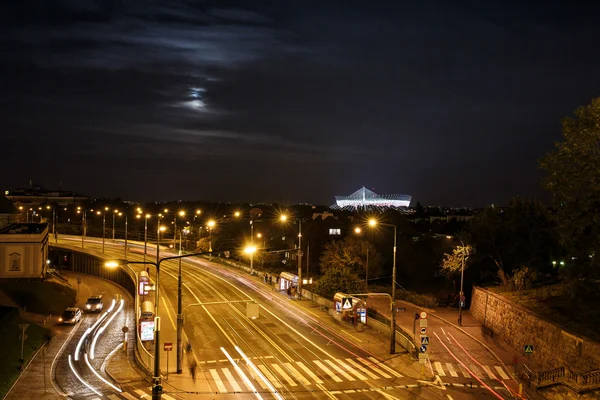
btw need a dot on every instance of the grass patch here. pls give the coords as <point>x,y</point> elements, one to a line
<point>573,306</point>
<point>10,351</point>
<point>39,297</point>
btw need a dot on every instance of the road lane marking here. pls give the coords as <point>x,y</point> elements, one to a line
<point>327,371</point>
<point>475,370</point>
<point>451,370</point>
<point>464,371</point>
<point>489,371</point>
<point>362,368</point>
<point>309,372</point>
<point>285,376</point>
<point>439,369</point>
<point>270,376</point>
<point>231,379</point>
<point>501,372</point>
<point>128,396</point>
<point>220,386</point>
<point>388,369</point>
<point>375,367</point>
<point>340,371</point>
<point>297,374</point>
<point>351,370</point>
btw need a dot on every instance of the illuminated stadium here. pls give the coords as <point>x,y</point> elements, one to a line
<point>364,198</point>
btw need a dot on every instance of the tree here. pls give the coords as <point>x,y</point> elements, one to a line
<point>343,265</point>
<point>452,263</point>
<point>521,235</point>
<point>573,169</point>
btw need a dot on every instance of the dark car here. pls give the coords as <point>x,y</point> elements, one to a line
<point>71,315</point>
<point>94,303</point>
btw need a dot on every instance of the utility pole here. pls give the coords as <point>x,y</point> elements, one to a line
<point>179,316</point>
<point>299,259</point>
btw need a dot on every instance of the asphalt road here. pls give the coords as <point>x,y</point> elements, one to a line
<point>285,353</point>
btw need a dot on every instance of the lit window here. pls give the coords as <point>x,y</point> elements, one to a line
<point>335,231</point>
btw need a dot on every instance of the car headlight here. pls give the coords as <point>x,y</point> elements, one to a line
<point>88,306</point>
<point>60,320</point>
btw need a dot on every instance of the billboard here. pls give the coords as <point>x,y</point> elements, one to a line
<point>147,330</point>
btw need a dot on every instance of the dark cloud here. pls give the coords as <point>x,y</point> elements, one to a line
<point>291,101</point>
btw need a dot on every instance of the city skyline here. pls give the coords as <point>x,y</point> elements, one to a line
<point>291,102</point>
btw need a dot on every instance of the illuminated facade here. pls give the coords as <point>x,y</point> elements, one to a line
<point>365,199</point>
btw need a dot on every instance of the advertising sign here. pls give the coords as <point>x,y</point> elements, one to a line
<point>146,330</point>
<point>141,290</point>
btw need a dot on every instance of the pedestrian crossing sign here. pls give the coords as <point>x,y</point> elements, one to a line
<point>528,349</point>
<point>346,303</point>
<point>424,339</point>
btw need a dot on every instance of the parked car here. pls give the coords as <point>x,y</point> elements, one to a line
<point>71,315</point>
<point>94,303</point>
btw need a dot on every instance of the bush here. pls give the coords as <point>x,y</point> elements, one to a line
<point>523,278</point>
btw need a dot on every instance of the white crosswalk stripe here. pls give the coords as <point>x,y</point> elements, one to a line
<point>475,370</point>
<point>220,386</point>
<point>270,376</point>
<point>362,369</point>
<point>451,370</point>
<point>340,370</point>
<point>231,379</point>
<point>327,371</point>
<point>309,372</point>
<point>388,369</point>
<point>488,371</point>
<point>374,366</point>
<point>351,370</point>
<point>129,396</point>
<point>501,372</point>
<point>464,371</point>
<point>439,369</point>
<point>140,393</point>
<point>297,374</point>
<point>285,376</point>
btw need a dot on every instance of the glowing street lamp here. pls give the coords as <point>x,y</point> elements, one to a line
<point>284,218</point>
<point>373,223</point>
<point>211,224</point>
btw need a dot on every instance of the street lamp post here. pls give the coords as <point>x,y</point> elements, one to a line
<point>358,231</point>
<point>284,218</point>
<point>83,225</point>
<point>146,235</point>
<point>373,222</point>
<point>462,272</point>
<point>125,234</point>
<point>115,212</point>
<point>157,388</point>
<point>211,224</point>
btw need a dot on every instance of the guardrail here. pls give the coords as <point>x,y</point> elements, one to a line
<point>552,375</point>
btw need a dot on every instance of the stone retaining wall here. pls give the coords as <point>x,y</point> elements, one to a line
<point>517,326</point>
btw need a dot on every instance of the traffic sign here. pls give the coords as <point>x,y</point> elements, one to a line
<point>423,348</point>
<point>462,304</point>
<point>399,309</point>
<point>168,346</point>
<point>423,315</point>
<point>424,339</point>
<point>346,303</point>
<point>125,329</point>
<point>423,323</point>
<point>423,331</point>
<point>528,349</point>
<point>462,298</point>
<point>422,358</point>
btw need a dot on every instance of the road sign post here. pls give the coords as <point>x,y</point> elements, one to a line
<point>167,347</point>
<point>23,337</point>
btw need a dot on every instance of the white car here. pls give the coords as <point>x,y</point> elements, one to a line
<point>94,303</point>
<point>71,315</point>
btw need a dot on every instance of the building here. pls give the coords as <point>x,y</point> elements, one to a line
<point>23,251</point>
<point>8,212</point>
<point>366,199</point>
<point>35,196</point>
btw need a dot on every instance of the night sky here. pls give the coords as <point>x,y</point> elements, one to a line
<point>290,101</point>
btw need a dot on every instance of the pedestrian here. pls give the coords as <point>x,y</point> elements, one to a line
<point>289,292</point>
<point>188,347</point>
<point>270,280</point>
<point>193,366</point>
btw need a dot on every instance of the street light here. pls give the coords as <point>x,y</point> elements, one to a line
<point>211,224</point>
<point>284,219</point>
<point>373,223</point>
<point>157,388</point>
<point>181,214</point>
<point>145,233</point>
<point>159,229</point>
<point>358,231</point>
<point>115,212</point>
<point>83,225</point>
<point>462,273</point>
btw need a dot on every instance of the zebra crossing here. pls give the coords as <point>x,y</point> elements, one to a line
<point>304,373</point>
<point>495,372</point>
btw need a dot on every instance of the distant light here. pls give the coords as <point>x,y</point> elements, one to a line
<point>198,212</point>
<point>357,230</point>
<point>372,222</point>
<point>211,223</point>
<point>283,217</point>
<point>111,264</point>
<point>181,213</point>
<point>237,214</point>
<point>250,249</point>
<point>448,237</point>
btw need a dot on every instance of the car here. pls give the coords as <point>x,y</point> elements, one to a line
<point>71,315</point>
<point>94,303</point>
